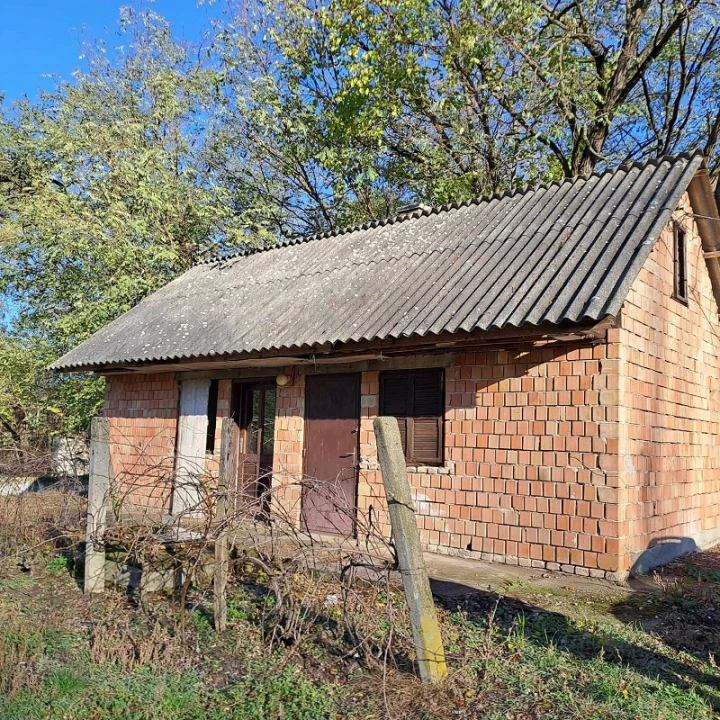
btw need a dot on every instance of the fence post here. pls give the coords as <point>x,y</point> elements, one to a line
<point>425,627</point>
<point>222,549</point>
<point>98,489</point>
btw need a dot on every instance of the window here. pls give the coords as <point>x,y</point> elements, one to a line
<point>681,291</point>
<point>211,416</point>
<point>415,398</point>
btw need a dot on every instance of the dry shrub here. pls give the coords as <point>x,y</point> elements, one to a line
<point>32,521</point>
<point>341,591</point>
<point>22,648</point>
<point>119,640</point>
<point>404,696</point>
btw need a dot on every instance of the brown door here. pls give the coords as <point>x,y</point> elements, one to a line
<point>332,419</point>
<point>255,410</point>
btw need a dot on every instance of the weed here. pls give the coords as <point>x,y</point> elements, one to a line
<point>65,682</point>
<point>271,695</point>
<point>58,564</point>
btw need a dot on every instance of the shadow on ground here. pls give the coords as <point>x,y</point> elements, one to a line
<point>680,604</point>
<point>586,640</point>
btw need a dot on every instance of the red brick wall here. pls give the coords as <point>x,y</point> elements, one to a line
<point>576,458</point>
<point>142,412</point>
<point>669,363</point>
<point>526,450</point>
<point>289,438</point>
<point>524,479</point>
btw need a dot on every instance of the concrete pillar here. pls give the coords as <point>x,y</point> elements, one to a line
<point>98,498</point>
<point>222,545</point>
<point>425,627</point>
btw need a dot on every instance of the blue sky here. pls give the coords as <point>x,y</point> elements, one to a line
<point>43,37</point>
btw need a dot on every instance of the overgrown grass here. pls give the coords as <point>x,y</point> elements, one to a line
<point>508,659</point>
<point>523,655</point>
<point>551,667</point>
<point>148,693</point>
<point>55,674</point>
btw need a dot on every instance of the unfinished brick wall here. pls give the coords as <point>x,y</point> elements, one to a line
<point>576,457</point>
<point>669,454</point>
<point>142,412</point>
<point>526,437</point>
<point>288,451</point>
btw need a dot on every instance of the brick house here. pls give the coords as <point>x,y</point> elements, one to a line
<point>551,356</point>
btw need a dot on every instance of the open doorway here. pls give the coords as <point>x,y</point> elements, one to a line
<point>254,410</point>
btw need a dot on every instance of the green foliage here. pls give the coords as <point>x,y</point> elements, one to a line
<point>107,193</point>
<point>356,106</point>
<point>269,694</point>
<point>35,404</point>
<point>58,564</point>
<point>294,117</point>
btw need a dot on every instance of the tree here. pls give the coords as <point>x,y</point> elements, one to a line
<point>106,193</point>
<point>371,103</point>
<point>36,404</point>
<point>301,116</point>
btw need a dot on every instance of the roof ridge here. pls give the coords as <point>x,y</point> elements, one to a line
<point>299,239</point>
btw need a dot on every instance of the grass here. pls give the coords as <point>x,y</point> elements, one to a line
<point>553,667</point>
<point>509,658</point>
<point>149,693</point>
<point>524,654</point>
<point>53,673</point>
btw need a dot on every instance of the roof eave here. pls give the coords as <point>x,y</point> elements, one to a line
<point>587,330</point>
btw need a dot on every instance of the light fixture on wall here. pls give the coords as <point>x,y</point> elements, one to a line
<point>282,379</point>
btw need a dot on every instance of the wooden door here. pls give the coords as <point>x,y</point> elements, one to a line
<point>332,420</point>
<point>191,442</point>
<point>256,441</point>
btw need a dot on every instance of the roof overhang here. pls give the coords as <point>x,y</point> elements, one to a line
<point>545,335</point>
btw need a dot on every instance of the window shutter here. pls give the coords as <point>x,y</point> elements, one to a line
<point>394,401</point>
<point>415,398</point>
<point>427,417</point>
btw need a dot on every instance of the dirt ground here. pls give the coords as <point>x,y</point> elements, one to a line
<point>520,645</point>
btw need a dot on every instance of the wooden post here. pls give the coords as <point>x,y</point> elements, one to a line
<point>425,627</point>
<point>222,549</point>
<point>98,490</point>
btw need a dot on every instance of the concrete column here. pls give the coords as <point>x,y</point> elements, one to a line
<point>98,490</point>
<point>222,545</point>
<point>425,627</point>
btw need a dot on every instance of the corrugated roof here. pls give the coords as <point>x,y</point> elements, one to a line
<point>565,252</point>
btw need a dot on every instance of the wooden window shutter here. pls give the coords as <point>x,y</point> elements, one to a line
<point>427,417</point>
<point>415,398</point>
<point>394,396</point>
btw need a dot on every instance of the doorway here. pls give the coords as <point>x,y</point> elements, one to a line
<point>254,409</point>
<point>332,422</point>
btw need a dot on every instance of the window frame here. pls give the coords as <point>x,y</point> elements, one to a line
<point>212,404</point>
<point>411,457</point>
<point>680,265</point>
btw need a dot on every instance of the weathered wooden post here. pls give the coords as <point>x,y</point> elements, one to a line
<point>222,549</point>
<point>98,489</point>
<point>425,627</point>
